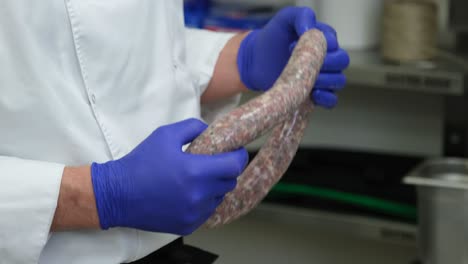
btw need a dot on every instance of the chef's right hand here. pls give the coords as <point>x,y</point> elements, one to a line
<point>157,187</point>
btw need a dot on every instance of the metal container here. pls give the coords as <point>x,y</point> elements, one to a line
<point>442,187</point>
<point>358,31</point>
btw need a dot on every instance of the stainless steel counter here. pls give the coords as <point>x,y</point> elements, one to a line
<point>442,76</point>
<point>276,234</point>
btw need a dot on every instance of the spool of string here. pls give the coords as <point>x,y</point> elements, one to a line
<point>409,30</point>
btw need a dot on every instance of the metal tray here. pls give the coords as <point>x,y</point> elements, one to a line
<point>444,173</point>
<point>442,186</point>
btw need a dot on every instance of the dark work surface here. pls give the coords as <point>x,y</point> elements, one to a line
<point>367,174</point>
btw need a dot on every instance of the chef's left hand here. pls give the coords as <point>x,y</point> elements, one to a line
<point>264,53</point>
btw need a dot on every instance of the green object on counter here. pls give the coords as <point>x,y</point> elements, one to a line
<point>380,205</point>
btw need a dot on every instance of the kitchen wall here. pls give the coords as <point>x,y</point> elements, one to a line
<point>446,38</point>
<point>370,119</point>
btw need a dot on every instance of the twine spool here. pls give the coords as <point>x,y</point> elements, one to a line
<point>409,30</point>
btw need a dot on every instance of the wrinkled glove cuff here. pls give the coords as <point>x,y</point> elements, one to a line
<point>104,202</point>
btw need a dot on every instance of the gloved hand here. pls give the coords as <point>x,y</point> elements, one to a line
<point>264,53</point>
<point>159,188</point>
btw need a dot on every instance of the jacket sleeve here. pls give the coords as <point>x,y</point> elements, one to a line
<point>28,199</point>
<point>203,50</point>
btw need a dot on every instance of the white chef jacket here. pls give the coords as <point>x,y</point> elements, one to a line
<point>84,81</point>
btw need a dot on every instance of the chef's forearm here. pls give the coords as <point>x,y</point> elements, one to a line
<point>76,208</point>
<point>226,80</point>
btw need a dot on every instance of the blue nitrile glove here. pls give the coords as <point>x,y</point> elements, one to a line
<point>264,53</point>
<point>159,188</point>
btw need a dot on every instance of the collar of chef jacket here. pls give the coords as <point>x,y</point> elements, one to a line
<point>84,81</point>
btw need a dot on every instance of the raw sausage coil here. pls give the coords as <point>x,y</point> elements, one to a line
<point>286,108</point>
